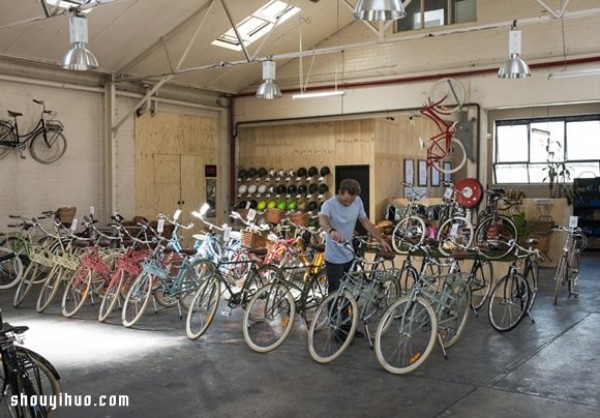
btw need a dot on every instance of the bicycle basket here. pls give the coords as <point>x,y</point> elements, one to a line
<point>66,215</point>
<point>299,218</point>
<point>274,216</point>
<point>253,240</point>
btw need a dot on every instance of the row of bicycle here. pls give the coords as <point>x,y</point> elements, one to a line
<point>414,304</point>
<point>450,224</point>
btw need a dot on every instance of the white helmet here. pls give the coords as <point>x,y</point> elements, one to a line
<point>262,188</point>
<point>242,189</point>
<point>252,188</point>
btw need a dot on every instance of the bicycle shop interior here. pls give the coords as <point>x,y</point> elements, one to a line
<point>166,105</point>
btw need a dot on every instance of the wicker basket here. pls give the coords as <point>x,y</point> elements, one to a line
<point>253,240</point>
<point>66,215</point>
<point>299,218</point>
<point>274,216</point>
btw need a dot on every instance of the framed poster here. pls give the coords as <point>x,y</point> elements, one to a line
<point>447,166</point>
<point>409,171</point>
<point>435,177</point>
<point>422,173</point>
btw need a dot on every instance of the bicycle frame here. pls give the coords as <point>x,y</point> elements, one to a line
<point>440,144</point>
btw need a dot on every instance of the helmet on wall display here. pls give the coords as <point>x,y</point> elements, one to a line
<point>301,205</point>
<point>281,189</point>
<point>281,205</point>
<point>243,173</point>
<point>302,172</point>
<point>272,204</point>
<point>262,205</point>
<point>252,172</point>
<point>262,172</point>
<point>253,204</point>
<point>242,189</point>
<point>252,188</point>
<point>313,188</point>
<point>262,188</point>
<point>323,188</point>
<point>313,171</point>
<point>292,205</point>
<point>312,205</point>
<point>302,189</point>
<point>292,189</point>
<point>325,171</point>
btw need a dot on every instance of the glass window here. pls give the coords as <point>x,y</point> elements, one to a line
<point>524,147</point>
<point>421,14</point>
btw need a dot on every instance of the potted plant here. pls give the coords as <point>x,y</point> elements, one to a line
<point>558,174</point>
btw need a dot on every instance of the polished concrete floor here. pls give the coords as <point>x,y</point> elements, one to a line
<point>550,368</point>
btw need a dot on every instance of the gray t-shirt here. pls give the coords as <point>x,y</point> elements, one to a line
<point>342,219</point>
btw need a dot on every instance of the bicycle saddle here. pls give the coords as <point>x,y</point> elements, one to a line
<point>8,328</point>
<point>14,114</point>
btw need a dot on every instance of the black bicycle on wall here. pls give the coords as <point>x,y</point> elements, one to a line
<point>47,142</point>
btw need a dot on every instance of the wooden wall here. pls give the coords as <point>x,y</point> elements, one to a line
<point>171,151</point>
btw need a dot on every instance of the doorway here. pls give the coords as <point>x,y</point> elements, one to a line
<point>361,174</point>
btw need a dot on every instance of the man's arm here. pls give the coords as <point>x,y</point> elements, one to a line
<point>327,228</point>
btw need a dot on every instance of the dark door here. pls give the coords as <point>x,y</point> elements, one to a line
<point>359,173</point>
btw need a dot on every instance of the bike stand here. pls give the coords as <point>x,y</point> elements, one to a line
<point>439,339</point>
<point>368,334</point>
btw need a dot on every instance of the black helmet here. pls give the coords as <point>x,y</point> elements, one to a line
<point>242,205</point>
<point>323,188</point>
<point>313,188</point>
<point>312,205</point>
<point>302,172</point>
<point>292,189</point>
<point>252,172</point>
<point>312,171</point>
<point>262,172</point>
<point>324,171</point>
<point>302,189</point>
<point>243,173</point>
<point>253,204</point>
<point>281,189</point>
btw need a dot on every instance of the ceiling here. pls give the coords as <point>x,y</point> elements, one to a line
<point>146,39</point>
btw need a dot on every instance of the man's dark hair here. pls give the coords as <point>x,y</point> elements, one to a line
<point>351,186</point>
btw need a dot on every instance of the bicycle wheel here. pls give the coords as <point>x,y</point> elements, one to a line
<point>6,136</point>
<point>457,156</point>
<point>76,292</point>
<point>580,242</point>
<point>26,283</point>
<point>448,95</point>
<point>258,278</point>
<point>11,268</point>
<point>495,236</point>
<point>456,234</point>
<point>198,273</point>
<point>407,277</point>
<point>269,317</point>
<point>49,288</point>
<point>203,307</point>
<point>573,274</point>
<point>407,232</point>
<point>137,299</point>
<point>112,294</point>
<point>18,245</point>
<point>405,335</point>
<point>482,275</point>
<point>453,317</point>
<point>339,314</point>
<point>509,302</point>
<point>49,379</point>
<point>560,276</point>
<point>47,147</point>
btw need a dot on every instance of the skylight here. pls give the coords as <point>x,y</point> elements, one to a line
<point>257,24</point>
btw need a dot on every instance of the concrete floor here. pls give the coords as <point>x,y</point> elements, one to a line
<point>550,368</point>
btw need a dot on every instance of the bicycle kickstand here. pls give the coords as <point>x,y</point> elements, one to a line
<point>440,342</point>
<point>369,338</point>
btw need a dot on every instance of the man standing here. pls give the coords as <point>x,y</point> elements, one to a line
<point>338,218</point>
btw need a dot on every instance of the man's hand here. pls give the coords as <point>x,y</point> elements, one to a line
<point>385,247</point>
<point>336,236</point>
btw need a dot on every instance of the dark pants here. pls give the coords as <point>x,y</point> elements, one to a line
<point>335,273</point>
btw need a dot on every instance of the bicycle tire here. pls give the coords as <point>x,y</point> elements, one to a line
<point>329,342</point>
<point>137,299</point>
<point>450,93</point>
<point>455,234</point>
<point>269,317</point>
<point>49,378</point>
<point>76,291</point>
<point>203,307</point>
<point>49,288</point>
<point>452,321</point>
<point>25,284</point>
<point>7,135</point>
<point>457,156</point>
<point>26,388</point>
<point>18,245</point>
<point>559,276</point>
<point>573,274</point>
<point>11,268</point>
<point>481,283</point>
<point>50,148</point>
<point>407,232</point>
<point>405,335</point>
<point>197,273</point>
<point>495,236</point>
<point>111,295</point>
<point>509,302</point>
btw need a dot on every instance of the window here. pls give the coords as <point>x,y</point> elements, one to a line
<point>422,14</point>
<point>523,148</point>
<point>257,24</point>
